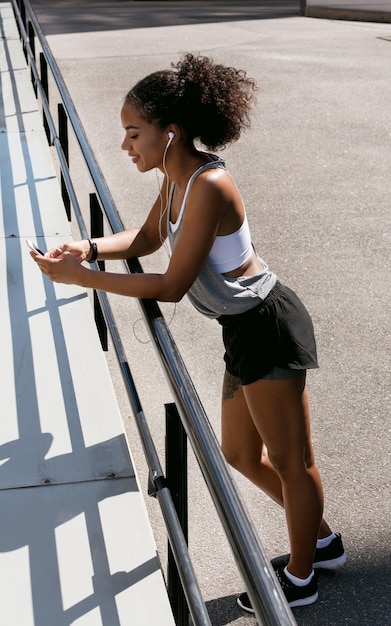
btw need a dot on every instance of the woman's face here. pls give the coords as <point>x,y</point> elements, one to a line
<point>144,142</point>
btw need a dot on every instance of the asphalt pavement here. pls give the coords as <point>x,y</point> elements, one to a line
<point>314,171</point>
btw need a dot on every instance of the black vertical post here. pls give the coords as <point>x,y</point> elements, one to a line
<point>63,137</point>
<point>45,87</point>
<point>96,217</point>
<point>31,36</point>
<point>15,13</point>
<point>22,10</point>
<point>176,476</point>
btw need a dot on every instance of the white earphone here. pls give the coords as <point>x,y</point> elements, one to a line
<point>171,136</point>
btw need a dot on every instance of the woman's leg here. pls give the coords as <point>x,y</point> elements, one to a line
<point>276,413</point>
<point>241,442</point>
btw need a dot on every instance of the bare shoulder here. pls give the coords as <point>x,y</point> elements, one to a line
<point>216,177</point>
<point>216,198</point>
<point>215,183</point>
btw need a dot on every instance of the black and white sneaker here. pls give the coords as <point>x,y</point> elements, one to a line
<point>295,595</point>
<point>331,557</point>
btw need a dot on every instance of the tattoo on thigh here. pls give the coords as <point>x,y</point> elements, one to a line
<point>231,384</point>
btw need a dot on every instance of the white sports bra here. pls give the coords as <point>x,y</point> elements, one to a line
<point>228,251</point>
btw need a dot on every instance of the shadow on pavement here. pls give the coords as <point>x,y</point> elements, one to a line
<point>67,16</point>
<point>360,585</point>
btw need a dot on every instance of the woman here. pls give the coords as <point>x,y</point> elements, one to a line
<point>267,332</point>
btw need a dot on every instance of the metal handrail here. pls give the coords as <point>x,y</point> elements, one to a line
<point>267,598</point>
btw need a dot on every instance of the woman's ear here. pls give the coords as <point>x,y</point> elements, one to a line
<point>173,132</point>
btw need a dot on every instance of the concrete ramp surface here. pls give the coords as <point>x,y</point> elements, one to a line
<point>76,545</point>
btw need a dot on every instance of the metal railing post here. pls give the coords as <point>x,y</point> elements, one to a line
<point>31,34</point>
<point>45,86</point>
<point>96,218</point>
<point>176,477</point>
<point>22,9</point>
<point>63,137</point>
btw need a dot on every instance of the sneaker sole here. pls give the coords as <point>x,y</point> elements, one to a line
<point>293,604</point>
<point>304,601</point>
<point>245,608</point>
<point>331,563</point>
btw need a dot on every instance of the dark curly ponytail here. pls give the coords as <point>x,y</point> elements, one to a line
<point>210,101</point>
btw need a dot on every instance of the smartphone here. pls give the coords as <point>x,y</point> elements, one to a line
<point>33,247</point>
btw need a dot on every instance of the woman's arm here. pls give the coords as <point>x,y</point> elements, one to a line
<point>206,204</point>
<point>130,243</point>
<point>134,242</point>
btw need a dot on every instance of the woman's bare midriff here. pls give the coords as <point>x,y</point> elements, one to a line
<point>251,267</point>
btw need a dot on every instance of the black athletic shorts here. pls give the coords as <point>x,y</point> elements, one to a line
<point>278,332</point>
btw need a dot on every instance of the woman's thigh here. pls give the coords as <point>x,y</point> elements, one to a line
<point>280,413</point>
<point>240,438</point>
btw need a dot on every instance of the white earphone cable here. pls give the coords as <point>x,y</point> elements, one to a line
<point>162,239</point>
<point>163,211</point>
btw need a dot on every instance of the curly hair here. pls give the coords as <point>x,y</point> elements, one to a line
<point>211,102</point>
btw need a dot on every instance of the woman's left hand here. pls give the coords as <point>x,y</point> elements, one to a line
<point>63,269</point>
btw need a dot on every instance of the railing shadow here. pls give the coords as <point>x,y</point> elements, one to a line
<point>58,535</point>
<point>339,589</point>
